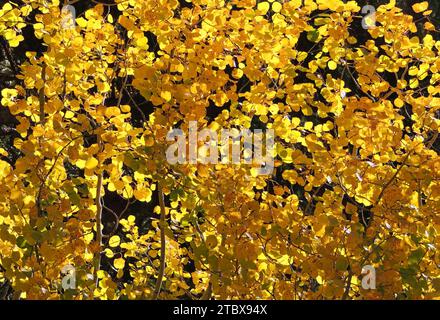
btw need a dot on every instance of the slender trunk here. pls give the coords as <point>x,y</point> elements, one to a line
<point>162,245</point>
<point>98,204</point>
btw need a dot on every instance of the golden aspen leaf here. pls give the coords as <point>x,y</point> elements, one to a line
<point>81,22</point>
<point>109,253</point>
<point>276,6</point>
<point>279,190</point>
<point>125,108</point>
<point>255,172</point>
<point>429,26</point>
<point>142,42</point>
<point>6,7</point>
<point>119,263</point>
<point>342,148</point>
<point>420,7</point>
<point>126,22</point>
<point>308,125</point>
<point>352,40</point>
<point>149,141</point>
<point>274,109</point>
<point>413,71</point>
<point>80,163</point>
<point>263,7</point>
<point>3,152</point>
<point>143,195</point>
<point>114,241</point>
<point>260,109</point>
<point>166,95</point>
<point>327,126</point>
<point>91,163</point>
<point>301,56</point>
<point>398,103</point>
<point>263,118</point>
<point>14,43</point>
<point>414,83</point>
<point>88,237</point>
<point>237,73</point>
<point>332,65</point>
<point>203,171</point>
<point>112,112</point>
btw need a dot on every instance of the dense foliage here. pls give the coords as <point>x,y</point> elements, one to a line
<point>84,181</point>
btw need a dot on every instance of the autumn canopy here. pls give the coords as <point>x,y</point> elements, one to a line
<point>90,90</point>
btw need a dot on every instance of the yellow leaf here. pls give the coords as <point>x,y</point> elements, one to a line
<point>166,95</point>
<point>16,41</point>
<point>114,241</point>
<point>3,152</point>
<point>276,6</point>
<point>126,22</point>
<point>80,164</point>
<point>143,195</point>
<point>119,263</point>
<point>112,112</point>
<point>263,7</point>
<point>91,163</point>
<point>420,7</point>
<point>81,22</point>
<point>398,103</point>
<point>332,65</point>
<point>237,73</point>
<point>429,26</point>
<point>109,253</point>
<point>125,108</point>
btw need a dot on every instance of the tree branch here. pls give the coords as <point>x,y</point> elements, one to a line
<point>162,245</point>
<point>98,203</point>
<point>41,94</point>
